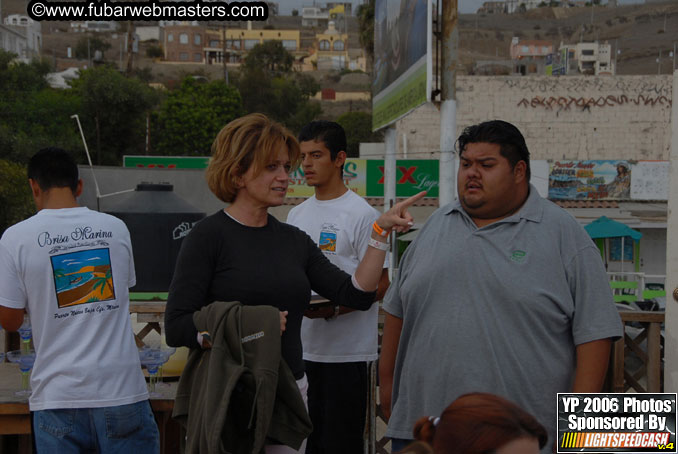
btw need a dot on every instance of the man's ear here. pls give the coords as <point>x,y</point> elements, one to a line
<point>78,189</point>
<point>520,171</point>
<point>35,187</point>
<point>341,159</point>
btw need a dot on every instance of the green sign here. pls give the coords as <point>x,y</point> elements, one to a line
<point>412,177</point>
<point>403,58</point>
<point>364,176</point>
<point>166,162</point>
<point>402,98</point>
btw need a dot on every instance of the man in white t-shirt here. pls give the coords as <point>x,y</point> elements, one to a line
<point>70,269</point>
<point>338,341</point>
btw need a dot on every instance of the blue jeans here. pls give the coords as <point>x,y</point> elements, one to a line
<point>123,429</point>
<point>398,444</point>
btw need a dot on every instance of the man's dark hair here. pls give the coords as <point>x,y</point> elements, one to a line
<point>508,137</point>
<point>53,168</point>
<point>328,132</point>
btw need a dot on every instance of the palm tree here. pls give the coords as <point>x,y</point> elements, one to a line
<point>103,281</point>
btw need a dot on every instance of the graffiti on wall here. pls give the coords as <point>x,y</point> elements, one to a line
<point>629,85</point>
<point>565,103</point>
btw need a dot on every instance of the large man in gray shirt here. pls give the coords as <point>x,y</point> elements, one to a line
<point>501,292</point>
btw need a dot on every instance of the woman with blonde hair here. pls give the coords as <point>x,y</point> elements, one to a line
<point>479,423</point>
<point>242,253</point>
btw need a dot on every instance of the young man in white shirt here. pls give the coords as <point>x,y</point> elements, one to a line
<point>70,269</point>
<point>338,341</point>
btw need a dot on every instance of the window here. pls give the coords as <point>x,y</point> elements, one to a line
<point>183,56</point>
<point>233,44</point>
<point>324,45</point>
<point>170,37</point>
<point>197,39</point>
<point>615,253</point>
<point>289,44</point>
<point>250,43</point>
<point>183,38</point>
<point>588,52</point>
<point>338,45</point>
<point>214,43</point>
<point>197,57</point>
<point>544,49</point>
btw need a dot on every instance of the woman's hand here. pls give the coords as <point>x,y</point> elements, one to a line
<point>398,218</point>
<point>283,321</point>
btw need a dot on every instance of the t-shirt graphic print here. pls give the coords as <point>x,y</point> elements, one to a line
<point>328,238</point>
<point>83,277</point>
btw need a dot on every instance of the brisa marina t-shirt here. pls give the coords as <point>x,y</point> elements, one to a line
<point>71,269</point>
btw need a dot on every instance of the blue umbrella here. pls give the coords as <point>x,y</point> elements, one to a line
<point>604,227</point>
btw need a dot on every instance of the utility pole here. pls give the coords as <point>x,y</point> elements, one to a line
<point>593,6</point>
<point>130,46</point>
<point>448,105</point>
<point>223,51</point>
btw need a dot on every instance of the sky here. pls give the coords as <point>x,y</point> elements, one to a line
<point>465,6</point>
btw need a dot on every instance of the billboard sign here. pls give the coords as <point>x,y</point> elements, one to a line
<point>354,178</point>
<point>590,180</point>
<point>402,58</point>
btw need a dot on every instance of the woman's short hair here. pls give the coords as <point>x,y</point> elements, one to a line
<point>250,141</point>
<point>477,423</point>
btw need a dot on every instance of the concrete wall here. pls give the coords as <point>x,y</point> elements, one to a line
<point>570,117</point>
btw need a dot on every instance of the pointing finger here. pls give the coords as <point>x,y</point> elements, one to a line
<point>409,201</point>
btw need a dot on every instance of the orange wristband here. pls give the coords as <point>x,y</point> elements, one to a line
<point>379,230</point>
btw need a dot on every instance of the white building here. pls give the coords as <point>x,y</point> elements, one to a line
<point>12,40</point>
<point>148,32</point>
<point>30,30</point>
<point>592,58</point>
<point>94,26</point>
<point>313,16</point>
<point>516,6</point>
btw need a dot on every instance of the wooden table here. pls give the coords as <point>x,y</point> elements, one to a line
<point>150,312</point>
<point>15,417</point>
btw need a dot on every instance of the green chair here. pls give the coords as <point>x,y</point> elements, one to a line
<point>649,294</point>
<point>624,291</point>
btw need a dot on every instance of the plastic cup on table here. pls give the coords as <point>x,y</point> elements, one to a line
<point>152,359</point>
<point>26,333</point>
<point>25,361</point>
<point>166,352</point>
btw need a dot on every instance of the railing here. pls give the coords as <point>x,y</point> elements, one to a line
<point>636,361</point>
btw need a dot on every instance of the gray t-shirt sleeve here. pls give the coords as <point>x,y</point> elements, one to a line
<point>392,302</point>
<point>595,315</point>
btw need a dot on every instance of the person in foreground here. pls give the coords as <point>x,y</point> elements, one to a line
<point>502,292</point>
<point>478,423</point>
<point>70,269</point>
<point>338,341</point>
<point>242,253</point>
